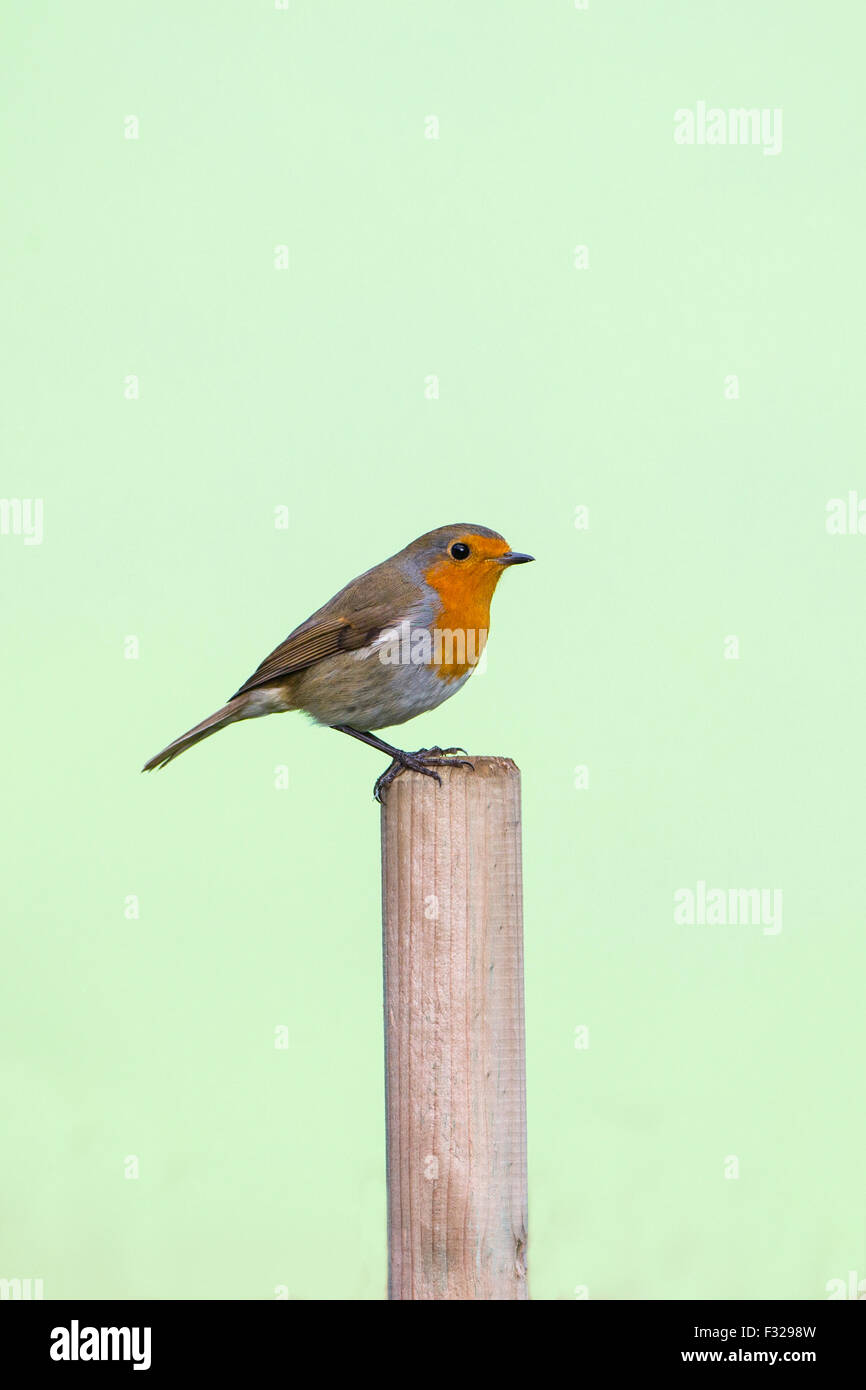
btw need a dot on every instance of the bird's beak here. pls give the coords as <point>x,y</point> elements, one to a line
<point>513,557</point>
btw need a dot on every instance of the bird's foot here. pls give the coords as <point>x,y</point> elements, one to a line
<point>425,761</point>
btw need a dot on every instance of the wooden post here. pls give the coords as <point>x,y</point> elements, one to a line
<point>454,1040</point>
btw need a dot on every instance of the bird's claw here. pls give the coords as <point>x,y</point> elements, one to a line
<point>425,761</point>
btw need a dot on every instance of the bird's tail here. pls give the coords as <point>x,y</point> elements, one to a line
<point>235,709</point>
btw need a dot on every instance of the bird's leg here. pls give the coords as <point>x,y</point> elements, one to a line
<point>424,760</point>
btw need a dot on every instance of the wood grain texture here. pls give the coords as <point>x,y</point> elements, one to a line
<point>454,1034</point>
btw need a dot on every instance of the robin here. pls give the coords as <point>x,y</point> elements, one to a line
<point>394,643</point>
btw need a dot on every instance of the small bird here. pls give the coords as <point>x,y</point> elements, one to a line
<point>395,642</point>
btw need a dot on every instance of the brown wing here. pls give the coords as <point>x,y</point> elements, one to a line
<point>373,600</point>
<point>311,642</point>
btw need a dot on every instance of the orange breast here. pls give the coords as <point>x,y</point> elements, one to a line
<point>459,630</point>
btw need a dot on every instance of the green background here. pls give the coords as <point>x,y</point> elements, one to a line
<point>305,388</point>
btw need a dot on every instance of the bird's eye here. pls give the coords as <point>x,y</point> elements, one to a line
<point>459,550</point>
